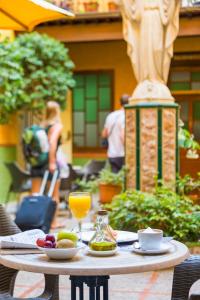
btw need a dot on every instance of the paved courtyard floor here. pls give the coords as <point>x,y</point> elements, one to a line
<point>140,286</point>
<point>145,286</point>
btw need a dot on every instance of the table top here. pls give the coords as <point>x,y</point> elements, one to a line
<point>124,262</point>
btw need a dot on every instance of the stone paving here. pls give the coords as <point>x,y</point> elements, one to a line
<point>145,286</point>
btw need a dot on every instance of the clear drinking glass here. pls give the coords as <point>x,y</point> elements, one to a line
<point>80,204</point>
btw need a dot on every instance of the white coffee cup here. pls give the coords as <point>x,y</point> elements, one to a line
<point>150,239</point>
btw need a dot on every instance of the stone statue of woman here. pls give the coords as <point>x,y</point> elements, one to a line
<point>150,28</point>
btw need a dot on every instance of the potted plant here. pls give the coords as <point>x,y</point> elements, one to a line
<point>112,6</point>
<point>91,6</point>
<point>186,141</point>
<point>110,184</point>
<point>190,187</point>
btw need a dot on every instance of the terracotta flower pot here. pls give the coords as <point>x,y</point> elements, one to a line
<point>195,196</point>
<point>108,191</point>
<point>112,6</point>
<point>91,6</point>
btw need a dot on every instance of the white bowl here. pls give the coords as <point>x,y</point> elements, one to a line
<point>62,253</point>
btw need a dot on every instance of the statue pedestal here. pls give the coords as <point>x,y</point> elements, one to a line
<point>151,144</point>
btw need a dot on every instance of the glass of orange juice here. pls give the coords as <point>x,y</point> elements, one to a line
<point>80,204</point>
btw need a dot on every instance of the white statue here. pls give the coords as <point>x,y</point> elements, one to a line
<point>150,28</point>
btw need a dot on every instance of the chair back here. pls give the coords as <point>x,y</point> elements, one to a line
<point>18,176</point>
<point>66,183</point>
<point>7,226</point>
<point>93,168</point>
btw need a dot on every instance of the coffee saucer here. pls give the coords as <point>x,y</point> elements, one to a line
<point>164,248</point>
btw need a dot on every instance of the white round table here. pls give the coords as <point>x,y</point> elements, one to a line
<point>91,270</point>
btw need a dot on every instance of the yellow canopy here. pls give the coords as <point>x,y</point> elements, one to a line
<point>24,15</point>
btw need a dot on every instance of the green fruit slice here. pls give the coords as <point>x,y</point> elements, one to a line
<point>62,235</point>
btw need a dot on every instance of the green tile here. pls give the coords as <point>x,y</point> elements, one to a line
<point>104,79</point>
<point>91,111</point>
<point>180,76</point>
<point>196,130</point>
<point>177,86</point>
<point>186,124</point>
<point>195,76</point>
<point>184,110</point>
<point>102,118</point>
<point>91,86</point>
<point>78,141</point>
<point>79,79</point>
<point>91,135</point>
<point>78,99</point>
<point>195,85</point>
<point>104,98</point>
<point>78,122</point>
<point>196,111</point>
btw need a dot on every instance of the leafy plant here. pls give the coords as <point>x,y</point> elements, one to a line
<point>174,214</point>
<point>187,184</point>
<point>106,176</point>
<point>34,69</point>
<point>11,80</point>
<point>90,186</point>
<point>186,140</point>
<point>47,70</point>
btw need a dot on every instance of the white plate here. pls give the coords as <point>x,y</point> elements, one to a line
<point>58,253</point>
<point>164,248</point>
<point>122,236</point>
<point>102,253</point>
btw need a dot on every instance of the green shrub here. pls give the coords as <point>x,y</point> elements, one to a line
<point>174,214</point>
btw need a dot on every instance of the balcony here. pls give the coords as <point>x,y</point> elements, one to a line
<point>87,6</point>
<point>106,6</point>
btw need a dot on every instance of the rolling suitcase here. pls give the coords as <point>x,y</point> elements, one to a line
<point>37,211</point>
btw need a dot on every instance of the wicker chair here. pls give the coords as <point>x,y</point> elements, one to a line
<point>185,275</point>
<point>7,275</point>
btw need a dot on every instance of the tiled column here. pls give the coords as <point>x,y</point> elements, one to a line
<point>151,144</point>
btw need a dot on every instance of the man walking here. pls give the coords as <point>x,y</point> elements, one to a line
<point>114,131</point>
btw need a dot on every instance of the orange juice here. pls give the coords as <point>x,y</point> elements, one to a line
<point>80,204</point>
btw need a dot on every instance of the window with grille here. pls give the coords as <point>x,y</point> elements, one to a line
<point>92,102</point>
<point>184,81</point>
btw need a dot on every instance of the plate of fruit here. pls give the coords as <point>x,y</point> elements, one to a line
<point>63,246</point>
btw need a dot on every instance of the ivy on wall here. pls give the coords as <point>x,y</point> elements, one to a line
<point>34,69</point>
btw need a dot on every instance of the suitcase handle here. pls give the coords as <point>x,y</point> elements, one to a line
<point>53,183</point>
<point>44,183</point>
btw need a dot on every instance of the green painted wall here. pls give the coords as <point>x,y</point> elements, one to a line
<point>82,161</point>
<point>7,154</point>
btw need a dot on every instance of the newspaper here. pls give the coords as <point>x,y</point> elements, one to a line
<point>22,240</point>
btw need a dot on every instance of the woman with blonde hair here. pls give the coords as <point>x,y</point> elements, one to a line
<point>53,127</point>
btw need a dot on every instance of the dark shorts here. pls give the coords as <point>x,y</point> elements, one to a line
<point>116,163</point>
<point>38,172</point>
